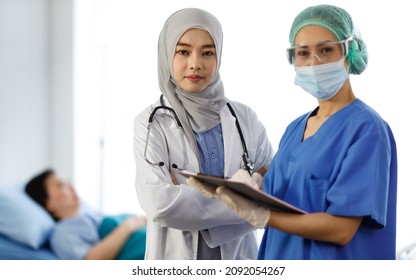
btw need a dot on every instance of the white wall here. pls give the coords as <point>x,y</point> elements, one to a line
<point>61,55</point>
<point>24,89</point>
<point>36,96</point>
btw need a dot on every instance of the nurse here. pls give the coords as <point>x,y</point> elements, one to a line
<point>192,128</point>
<point>337,162</point>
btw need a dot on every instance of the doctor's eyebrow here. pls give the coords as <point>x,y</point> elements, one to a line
<point>180,44</point>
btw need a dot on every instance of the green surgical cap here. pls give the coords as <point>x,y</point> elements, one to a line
<point>339,22</point>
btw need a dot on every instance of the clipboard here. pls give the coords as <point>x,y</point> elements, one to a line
<point>256,196</point>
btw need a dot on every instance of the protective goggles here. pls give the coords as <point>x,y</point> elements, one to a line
<point>324,52</point>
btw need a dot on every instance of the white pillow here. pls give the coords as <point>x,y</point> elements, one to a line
<point>22,219</point>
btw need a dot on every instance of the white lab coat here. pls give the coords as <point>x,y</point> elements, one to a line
<point>176,213</point>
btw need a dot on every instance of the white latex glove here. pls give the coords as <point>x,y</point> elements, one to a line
<point>240,176</point>
<point>256,215</point>
<point>198,185</point>
<point>255,181</point>
<point>259,180</point>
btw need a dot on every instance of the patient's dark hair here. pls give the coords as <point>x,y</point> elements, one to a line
<point>36,187</point>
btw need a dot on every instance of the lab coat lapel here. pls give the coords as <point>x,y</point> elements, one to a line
<point>232,146</point>
<point>193,164</point>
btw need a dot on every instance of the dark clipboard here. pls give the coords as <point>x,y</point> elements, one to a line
<point>245,190</point>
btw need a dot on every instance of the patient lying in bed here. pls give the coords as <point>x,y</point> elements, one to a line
<point>80,232</point>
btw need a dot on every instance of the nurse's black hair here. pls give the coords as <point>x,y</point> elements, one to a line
<point>36,187</point>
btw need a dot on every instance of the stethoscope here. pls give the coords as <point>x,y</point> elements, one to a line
<point>246,163</point>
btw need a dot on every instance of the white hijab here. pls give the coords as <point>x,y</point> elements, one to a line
<point>197,112</point>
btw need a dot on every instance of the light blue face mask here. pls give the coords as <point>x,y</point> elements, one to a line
<point>322,81</point>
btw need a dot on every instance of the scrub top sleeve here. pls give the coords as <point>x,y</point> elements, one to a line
<point>362,185</point>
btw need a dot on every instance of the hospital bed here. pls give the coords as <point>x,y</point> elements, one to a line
<point>12,250</point>
<point>25,228</point>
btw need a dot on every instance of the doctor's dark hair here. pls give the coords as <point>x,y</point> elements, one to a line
<point>36,187</point>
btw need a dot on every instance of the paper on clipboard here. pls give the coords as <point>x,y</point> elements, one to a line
<point>243,189</point>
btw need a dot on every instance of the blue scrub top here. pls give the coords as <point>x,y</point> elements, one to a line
<point>347,168</point>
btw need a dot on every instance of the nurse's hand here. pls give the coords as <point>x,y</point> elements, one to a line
<point>258,176</point>
<point>240,176</point>
<point>255,181</point>
<point>258,179</point>
<point>256,215</point>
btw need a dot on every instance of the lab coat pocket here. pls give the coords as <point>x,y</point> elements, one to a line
<point>316,192</point>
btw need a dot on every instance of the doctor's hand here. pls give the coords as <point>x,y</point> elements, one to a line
<point>256,215</point>
<point>198,185</point>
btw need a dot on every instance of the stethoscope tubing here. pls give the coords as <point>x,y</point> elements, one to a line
<point>247,163</point>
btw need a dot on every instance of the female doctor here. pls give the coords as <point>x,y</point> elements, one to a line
<point>193,128</point>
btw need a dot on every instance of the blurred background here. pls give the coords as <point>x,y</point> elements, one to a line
<point>74,74</point>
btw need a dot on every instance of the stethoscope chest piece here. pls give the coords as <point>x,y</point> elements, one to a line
<point>247,163</point>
